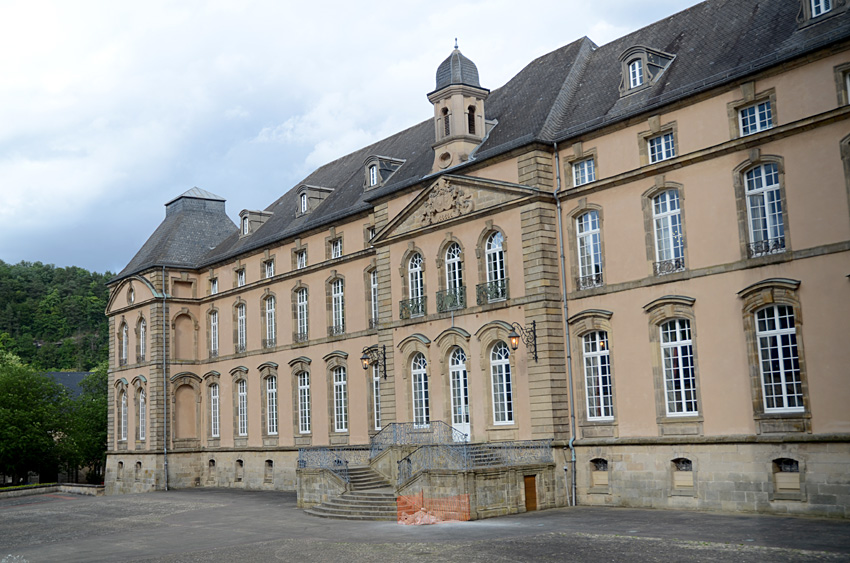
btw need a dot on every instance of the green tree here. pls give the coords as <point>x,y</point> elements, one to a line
<point>86,438</point>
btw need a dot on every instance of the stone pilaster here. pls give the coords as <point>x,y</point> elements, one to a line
<point>535,169</point>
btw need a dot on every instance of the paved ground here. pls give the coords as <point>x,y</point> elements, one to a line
<point>229,525</point>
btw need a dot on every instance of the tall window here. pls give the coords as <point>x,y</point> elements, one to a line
<point>271,326</point>
<point>454,268</point>
<point>584,172</point>
<point>303,199</point>
<point>304,402</point>
<point>123,415</point>
<point>446,127</point>
<point>376,395</point>
<point>779,361</point>
<point>667,220</point>
<point>241,336</point>
<point>244,225</point>
<point>661,147</point>
<point>268,268</point>
<point>240,277</point>
<point>242,407</point>
<point>764,207</point>
<point>301,259</point>
<point>336,248</point>
<point>421,399</point>
<point>677,356</point>
<point>373,283</point>
<point>821,7</point>
<point>143,339</point>
<point>589,250</point>
<point>340,400</point>
<point>755,118</point>
<point>301,315</point>
<point>459,380</point>
<point>214,425</point>
<point>470,116</point>
<point>338,306</point>
<point>271,405</point>
<point>213,286</point>
<point>373,175</point>
<point>416,285</point>
<point>142,414</point>
<point>500,370</point>
<point>635,73</point>
<point>125,344</point>
<point>214,334</point>
<point>597,376</point>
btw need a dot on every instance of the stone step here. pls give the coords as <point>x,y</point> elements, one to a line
<point>373,518</point>
<point>334,508</point>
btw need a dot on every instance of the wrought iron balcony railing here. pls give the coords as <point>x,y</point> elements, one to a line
<point>451,299</point>
<point>492,291</point>
<point>586,282</point>
<point>269,342</point>
<point>240,348</point>
<point>669,266</point>
<point>373,323</point>
<point>122,361</point>
<point>409,308</point>
<point>214,353</point>
<point>764,247</point>
<point>336,330</point>
<point>299,337</point>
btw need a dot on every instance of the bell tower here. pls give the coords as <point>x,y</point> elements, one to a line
<point>458,111</point>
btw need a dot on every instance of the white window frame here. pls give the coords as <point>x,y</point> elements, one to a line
<point>459,383</point>
<point>301,310</point>
<point>268,269</point>
<point>820,7</point>
<point>271,405</point>
<point>776,335</point>
<point>303,402</point>
<point>373,175</point>
<point>584,172</point>
<point>244,225</point>
<point>661,147</point>
<point>123,416</point>
<point>340,380</point>
<point>598,383</point>
<point>500,378</point>
<point>589,246</point>
<point>754,118</point>
<point>338,305</point>
<point>454,267</point>
<point>125,344</point>
<point>241,329</point>
<point>271,325</point>
<point>667,226</point>
<point>494,257</point>
<point>635,73</point>
<point>376,395</point>
<point>242,407</point>
<point>679,368</point>
<point>142,414</point>
<point>303,200</point>
<point>416,284</point>
<point>143,335</point>
<point>421,395</point>
<point>373,282</point>
<point>300,259</point>
<point>214,333</point>
<point>214,286</point>
<point>215,430</point>
<point>240,277</point>
<point>764,206</point>
<point>336,248</point>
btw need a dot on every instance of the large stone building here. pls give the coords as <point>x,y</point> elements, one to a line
<point>669,211</point>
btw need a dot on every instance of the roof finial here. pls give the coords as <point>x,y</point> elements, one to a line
<point>455,42</point>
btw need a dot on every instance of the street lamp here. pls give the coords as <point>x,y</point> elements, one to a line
<point>528,336</point>
<point>372,354</point>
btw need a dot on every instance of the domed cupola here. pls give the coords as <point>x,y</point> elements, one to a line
<point>458,101</point>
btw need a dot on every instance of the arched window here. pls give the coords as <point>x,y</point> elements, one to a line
<point>123,416</point>
<point>303,203</point>
<point>340,400</point>
<point>271,327</point>
<point>337,307</point>
<point>669,240</point>
<point>497,285</point>
<point>125,342</point>
<point>304,402</point>
<point>459,381</point>
<point>471,119</point>
<point>142,414</point>
<point>373,294</point>
<point>635,73</point>
<point>589,250</point>
<point>779,361</point>
<point>376,395</point>
<point>244,225</point>
<point>271,404</point>
<point>597,376</point>
<point>416,286</point>
<point>143,335</point>
<point>214,334</point>
<point>241,336</point>
<point>214,411</point>
<point>242,407</point>
<point>446,127</point>
<point>500,370</point>
<point>454,297</point>
<point>373,175</point>
<point>677,356</point>
<point>301,315</point>
<point>421,400</point>
<point>764,209</point>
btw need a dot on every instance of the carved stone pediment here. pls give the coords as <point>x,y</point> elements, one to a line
<point>446,201</point>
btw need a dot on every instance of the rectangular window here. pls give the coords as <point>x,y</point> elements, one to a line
<point>338,306</point>
<point>779,361</point>
<point>300,259</point>
<point>213,286</point>
<point>373,281</point>
<point>584,172</point>
<point>677,356</point>
<point>755,118</point>
<point>635,73</point>
<point>669,242</point>
<point>661,147</point>
<point>241,337</point>
<point>240,278</point>
<point>500,371</point>
<point>124,416</point>
<point>214,430</point>
<point>820,7</point>
<point>271,327</point>
<point>376,395</point>
<point>301,315</point>
<point>142,415</point>
<point>373,175</point>
<point>336,248</point>
<point>597,376</point>
<point>764,206</point>
<point>143,339</point>
<point>589,250</point>
<point>242,407</point>
<point>372,232</point>
<point>271,405</point>
<point>340,400</point>
<point>304,402</point>
<point>268,269</point>
<point>214,334</point>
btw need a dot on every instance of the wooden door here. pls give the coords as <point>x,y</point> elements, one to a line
<point>530,493</point>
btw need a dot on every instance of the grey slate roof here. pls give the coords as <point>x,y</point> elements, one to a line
<point>558,96</point>
<point>70,379</point>
<point>457,69</point>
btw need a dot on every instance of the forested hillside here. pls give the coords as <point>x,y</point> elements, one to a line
<point>53,318</point>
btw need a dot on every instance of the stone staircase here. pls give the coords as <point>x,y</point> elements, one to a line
<point>370,497</point>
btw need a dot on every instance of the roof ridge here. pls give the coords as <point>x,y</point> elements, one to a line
<point>551,125</point>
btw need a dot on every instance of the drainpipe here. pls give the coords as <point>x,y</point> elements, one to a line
<point>164,385</point>
<point>566,330</point>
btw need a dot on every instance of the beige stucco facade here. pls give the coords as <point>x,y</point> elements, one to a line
<point>736,449</point>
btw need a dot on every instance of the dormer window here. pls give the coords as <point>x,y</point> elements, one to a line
<point>304,203</point>
<point>635,73</point>
<point>379,169</point>
<point>310,197</point>
<point>820,7</point>
<point>244,225</point>
<point>373,175</point>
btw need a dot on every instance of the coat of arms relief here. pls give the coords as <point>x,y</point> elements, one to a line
<point>446,201</point>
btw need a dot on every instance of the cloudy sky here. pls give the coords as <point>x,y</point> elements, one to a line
<point>110,109</point>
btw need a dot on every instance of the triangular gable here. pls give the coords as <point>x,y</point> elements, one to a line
<point>451,198</point>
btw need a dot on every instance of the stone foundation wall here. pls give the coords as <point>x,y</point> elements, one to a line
<point>730,477</point>
<point>315,486</point>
